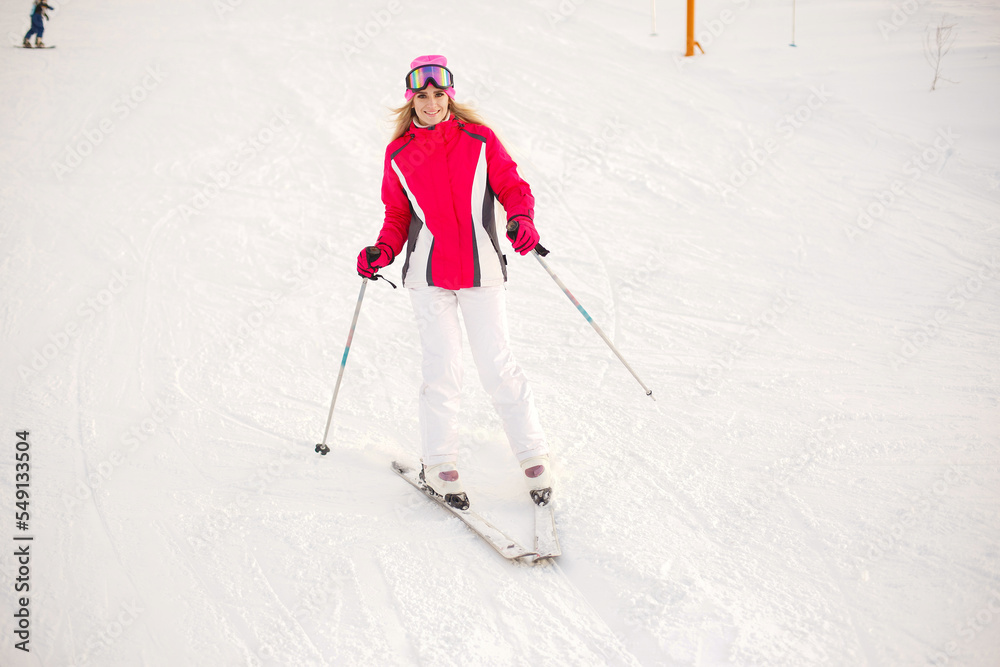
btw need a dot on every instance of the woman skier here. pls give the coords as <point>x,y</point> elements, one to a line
<point>442,172</point>
<point>37,26</point>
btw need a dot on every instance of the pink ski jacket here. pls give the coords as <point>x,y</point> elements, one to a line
<point>438,187</point>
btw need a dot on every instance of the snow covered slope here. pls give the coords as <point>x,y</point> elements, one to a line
<point>797,249</point>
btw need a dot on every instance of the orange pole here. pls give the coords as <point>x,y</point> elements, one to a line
<point>691,43</point>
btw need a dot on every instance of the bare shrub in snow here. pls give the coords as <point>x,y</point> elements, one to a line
<point>939,41</point>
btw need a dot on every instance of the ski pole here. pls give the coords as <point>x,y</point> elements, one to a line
<point>540,252</point>
<point>322,447</point>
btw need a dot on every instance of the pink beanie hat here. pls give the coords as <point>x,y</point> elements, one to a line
<point>429,60</point>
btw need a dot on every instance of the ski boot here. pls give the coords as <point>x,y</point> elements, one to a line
<point>536,470</point>
<point>442,480</point>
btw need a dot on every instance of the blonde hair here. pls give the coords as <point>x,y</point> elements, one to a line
<point>405,114</point>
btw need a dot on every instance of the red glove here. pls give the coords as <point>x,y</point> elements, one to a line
<point>524,236</point>
<point>373,258</point>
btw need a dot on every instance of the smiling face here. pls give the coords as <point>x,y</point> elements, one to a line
<point>431,105</point>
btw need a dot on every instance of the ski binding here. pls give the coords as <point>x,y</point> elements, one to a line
<point>546,539</point>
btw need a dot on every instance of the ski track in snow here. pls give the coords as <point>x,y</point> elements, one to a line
<point>817,482</point>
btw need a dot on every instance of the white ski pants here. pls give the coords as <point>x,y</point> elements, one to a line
<point>485,315</point>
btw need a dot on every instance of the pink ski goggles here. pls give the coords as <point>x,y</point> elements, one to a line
<point>439,75</point>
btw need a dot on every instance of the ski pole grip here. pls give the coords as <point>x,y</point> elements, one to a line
<point>512,226</point>
<point>372,253</point>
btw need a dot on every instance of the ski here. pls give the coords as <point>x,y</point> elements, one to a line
<point>546,538</point>
<point>496,538</point>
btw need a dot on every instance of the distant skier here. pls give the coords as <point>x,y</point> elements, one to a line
<point>442,172</point>
<point>37,26</point>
